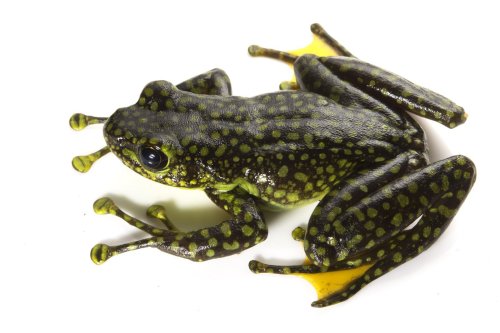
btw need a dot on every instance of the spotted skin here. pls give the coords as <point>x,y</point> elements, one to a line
<point>371,229</point>
<point>344,138</point>
<point>355,83</point>
<point>214,82</point>
<point>245,229</point>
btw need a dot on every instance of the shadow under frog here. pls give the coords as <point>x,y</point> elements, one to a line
<point>340,135</point>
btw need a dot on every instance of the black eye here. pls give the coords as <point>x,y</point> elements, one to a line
<point>153,158</point>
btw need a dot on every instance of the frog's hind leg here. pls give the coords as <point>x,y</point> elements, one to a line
<point>320,33</point>
<point>326,281</point>
<point>379,232</point>
<point>322,45</point>
<point>368,82</point>
<point>436,192</point>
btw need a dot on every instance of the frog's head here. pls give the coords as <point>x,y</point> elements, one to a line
<point>142,137</point>
<point>136,136</point>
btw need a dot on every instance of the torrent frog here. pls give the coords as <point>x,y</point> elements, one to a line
<point>340,136</point>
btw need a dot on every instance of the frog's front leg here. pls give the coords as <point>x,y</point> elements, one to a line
<point>213,82</point>
<point>374,231</point>
<point>245,229</point>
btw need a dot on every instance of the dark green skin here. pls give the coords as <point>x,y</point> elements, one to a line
<point>343,139</point>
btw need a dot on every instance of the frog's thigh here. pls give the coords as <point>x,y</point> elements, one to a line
<point>436,190</point>
<point>337,226</point>
<point>213,82</point>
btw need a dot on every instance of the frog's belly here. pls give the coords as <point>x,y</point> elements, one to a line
<point>274,206</point>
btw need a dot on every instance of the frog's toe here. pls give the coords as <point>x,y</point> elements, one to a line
<point>339,295</point>
<point>329,300</point>
<point>79,121</point>
<point>289,85</point>
<point>257,266</point>
<point>299,234</point>
<point>100,253</point>
<point>159,212</point>
<point>83,163</point>
<point>321,303</point>
<point>104,206</point>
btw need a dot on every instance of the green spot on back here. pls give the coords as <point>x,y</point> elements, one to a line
<point>204,151</point>
<point>397,219</point>
<point>300,176</point>
<point>279,194</point>
<point>371,212</point>
<point>413,187</point>
<point>220,150</point>
<point>248,217</point>
<point>403,200</point>
<point>283,171</point>
<point>244,148</point>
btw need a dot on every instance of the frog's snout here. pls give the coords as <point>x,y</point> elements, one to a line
<point>79,121</point>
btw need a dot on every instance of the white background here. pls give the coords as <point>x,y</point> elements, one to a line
<point>58,58</point>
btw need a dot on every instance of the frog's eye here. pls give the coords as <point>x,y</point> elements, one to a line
<point>153,158</point>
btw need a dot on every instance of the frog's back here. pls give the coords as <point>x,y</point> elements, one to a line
<point>266,124</point>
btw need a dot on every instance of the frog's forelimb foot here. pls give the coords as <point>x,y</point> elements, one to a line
<point>79,121</point>
<point>102,252</point>
<point>159,212</point>
<point>244,229</point>
<point>83,163</point>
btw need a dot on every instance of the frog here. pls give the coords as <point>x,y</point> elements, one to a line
<point>340,136</point>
